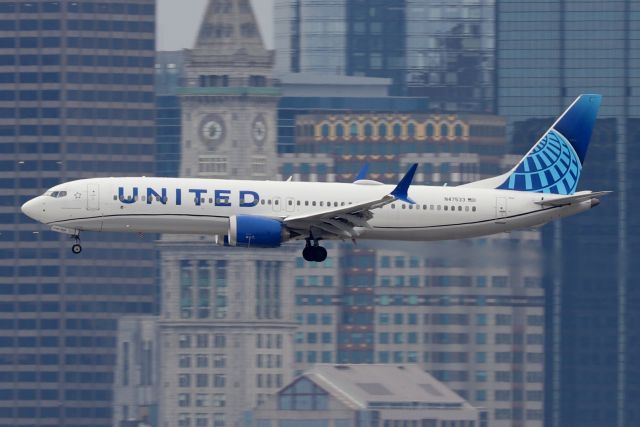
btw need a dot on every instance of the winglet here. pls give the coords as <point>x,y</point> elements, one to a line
<point>401,190</point>
<point>363,173</point>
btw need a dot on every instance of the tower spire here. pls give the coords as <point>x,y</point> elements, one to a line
<point>229,26</point>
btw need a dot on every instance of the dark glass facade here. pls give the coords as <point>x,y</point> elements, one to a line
<point>169,72</point>
<point>438,49</point>
<point>376,40</point>
<point>549,52</point>
<point>76,101</point>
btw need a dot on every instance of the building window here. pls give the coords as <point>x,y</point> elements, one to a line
<point>397,130</point>
<point>303,395</point>
<point>411,130</point>
<point>368,130</point>
<point>353,129</point>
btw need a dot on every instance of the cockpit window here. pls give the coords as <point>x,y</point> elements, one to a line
<point>57,194</point>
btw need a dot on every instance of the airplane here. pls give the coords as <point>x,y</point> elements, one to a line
<point>539,189</point>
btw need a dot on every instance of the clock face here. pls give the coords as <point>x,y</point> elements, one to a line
<point>259,130</point>
<point>212,129</point>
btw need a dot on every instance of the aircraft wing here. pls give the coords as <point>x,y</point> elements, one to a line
<point>342,221</point>
<point>576,198</point>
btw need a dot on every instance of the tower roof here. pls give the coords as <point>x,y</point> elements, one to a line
<point>229,27</point>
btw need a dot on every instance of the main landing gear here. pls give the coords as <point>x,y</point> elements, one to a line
<point>76,248</point>
<point>315,252</point>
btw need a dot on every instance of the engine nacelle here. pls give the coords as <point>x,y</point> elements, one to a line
<point>256,231</point>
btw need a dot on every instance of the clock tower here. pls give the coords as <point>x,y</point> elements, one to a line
<point>229,99</point>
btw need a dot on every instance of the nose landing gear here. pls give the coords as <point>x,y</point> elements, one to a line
<point>315,252</point>
<point>76,248</point>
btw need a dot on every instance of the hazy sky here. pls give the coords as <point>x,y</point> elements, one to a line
<point>179,20</point>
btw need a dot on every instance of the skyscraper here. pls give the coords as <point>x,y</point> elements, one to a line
<point>226,325</point>
<point>76,101</point>
<point>549,52</point>
<point>433,48</point>
<point>169,75</point>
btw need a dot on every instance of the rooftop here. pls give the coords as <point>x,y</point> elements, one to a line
<point>385,386</point>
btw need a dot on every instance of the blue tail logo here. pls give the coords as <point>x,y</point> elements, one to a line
<point>554,164</point>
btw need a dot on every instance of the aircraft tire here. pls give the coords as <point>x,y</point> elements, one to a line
<point>308,253</point>
<point>320,254</point>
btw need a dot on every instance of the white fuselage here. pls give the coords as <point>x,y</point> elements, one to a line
<point>440,213</point>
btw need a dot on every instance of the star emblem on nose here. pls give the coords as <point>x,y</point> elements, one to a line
<point>77,195</point>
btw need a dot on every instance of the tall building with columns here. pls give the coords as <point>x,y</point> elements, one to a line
<point>226,325</point>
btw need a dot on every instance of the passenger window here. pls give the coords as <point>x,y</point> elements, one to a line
<point>276,202</point>
<point>321,203</point>
<point>466,208</point>
<point>393,206</point>
<point>453,208</point>
<point>439,207</point>
<point>306,203</point>
<point>115,197</point>
<point>262,202</point>
<point>313,203</point>
<point>335,204</point>
<point>269,202</point>
<point>342,203</point>
<point>424,207</point>
<point>211,200</point>
<point>410,206</point>
<point>446,208</point>
<point>404,206</point>
<point>473,209</point>
<point>460,208</point>
<point>430,207</point>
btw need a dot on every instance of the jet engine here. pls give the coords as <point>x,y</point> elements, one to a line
<point>256,231</point>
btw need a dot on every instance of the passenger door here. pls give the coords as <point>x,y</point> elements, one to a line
<point>93,197</point>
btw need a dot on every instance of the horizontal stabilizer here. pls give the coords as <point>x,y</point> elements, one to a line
<point>576,198</point>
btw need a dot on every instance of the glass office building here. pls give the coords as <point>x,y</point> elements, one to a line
<point>76,101</point>
<point>169,72</point>
<point>549,52</point>
<point>432,48</point>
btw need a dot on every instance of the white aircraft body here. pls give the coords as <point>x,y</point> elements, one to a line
<point>540,189</point>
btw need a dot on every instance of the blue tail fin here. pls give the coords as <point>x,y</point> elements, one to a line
<point>554,164</point>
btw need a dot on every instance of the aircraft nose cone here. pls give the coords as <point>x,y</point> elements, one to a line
<point>30,209</point>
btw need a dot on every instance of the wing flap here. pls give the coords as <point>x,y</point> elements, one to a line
<point>344,221</point>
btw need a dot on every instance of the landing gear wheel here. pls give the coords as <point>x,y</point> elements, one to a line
<point>314,253</point>
<point>76,248</point>
<point>308,253</point>
<point>320,254</point>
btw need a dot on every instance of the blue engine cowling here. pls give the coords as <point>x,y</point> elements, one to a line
<point>256,231</point>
